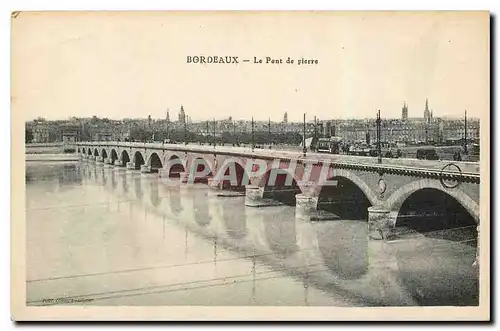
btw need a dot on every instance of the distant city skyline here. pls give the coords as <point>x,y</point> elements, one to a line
<point>173,117</point>
<point>134,64</point>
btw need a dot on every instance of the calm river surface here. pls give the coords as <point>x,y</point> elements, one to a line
<point>100,236</point>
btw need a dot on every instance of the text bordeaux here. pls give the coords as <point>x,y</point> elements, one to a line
<point>213,59</point>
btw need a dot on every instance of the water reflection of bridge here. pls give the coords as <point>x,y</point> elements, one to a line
<point>334,256</point>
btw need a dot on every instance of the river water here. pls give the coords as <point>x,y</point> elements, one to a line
<point>102,236</point>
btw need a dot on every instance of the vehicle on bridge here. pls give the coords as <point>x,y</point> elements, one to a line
<point>329,145</point>
<point>475,149</point>
<point>427,154</point>
<point>359,150</point>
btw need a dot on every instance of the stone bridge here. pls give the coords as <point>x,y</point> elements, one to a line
<point>386,193</point>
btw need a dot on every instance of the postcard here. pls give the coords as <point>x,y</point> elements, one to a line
<point>250,165</point>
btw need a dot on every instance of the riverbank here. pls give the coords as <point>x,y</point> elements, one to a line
<point>51,157</point>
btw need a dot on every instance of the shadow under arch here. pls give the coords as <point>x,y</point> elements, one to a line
<point>138,160</point>
<point>96,152</point>
<point>396,200</point>
<point>104,154</point>
<point>114,156</point>
<point>89,152</point>
<point>277,186</point>
<point>154,162</point>
<point>429,211</point>
<point>125,157</point>
<point>232,176</point>
<point>344,198</point>
<point>174,166</point>
<point>200,165</point>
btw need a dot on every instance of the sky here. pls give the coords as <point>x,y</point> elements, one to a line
<point>130,65</point>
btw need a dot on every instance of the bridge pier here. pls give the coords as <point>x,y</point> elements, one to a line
<point>145,169</point>
<point>383,267</point>
<point>184,176</point>
<point>476,260</point>
<point>383,273</point>
<point>130,166</point>
<point>211,184</point>
<point>253,196</point>
<point>162,173</point>
<point>305,205</point>
<point>380,223</point>
<point>119,165</point>
<point>107,163</point>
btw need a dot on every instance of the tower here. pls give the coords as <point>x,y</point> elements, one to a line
<point>404,112</point>
<point>168,116</point>
<point>285,118</point>
<point>182,115</point>
<point>427,112</point>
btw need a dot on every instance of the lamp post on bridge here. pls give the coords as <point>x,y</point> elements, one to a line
<point>168,131</point>
<point>185,131</point>
<point>269,128</point>
<point>215,143</point>
<point>234,133</point>
<point>253,136</point>
<point>315,127</point>
<point>208,133</point>
<point>465,133</point>
<point>304,149</point>
<point>379,147</point>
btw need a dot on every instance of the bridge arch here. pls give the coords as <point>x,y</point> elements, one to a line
<point>335,174</point>
<point>200,165</point>
<point>89,152</point>
<point>125,157</point>
<point>96,152</point>
<point>346,196</point>
<point>104,153</point>
<point>78,150</point>
<point>275,180</point>
<point>114,156</point>
<point>84,152</point>
<point>398,198</point>
<point>174,165</point>
<point>154,162</point>
<point>444,223</point>
<point>234,169</point>
<point>138,160</point>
